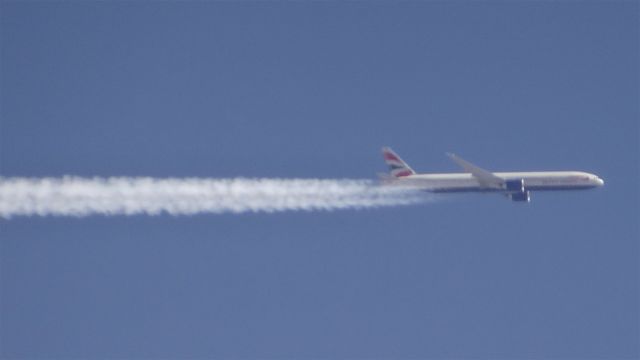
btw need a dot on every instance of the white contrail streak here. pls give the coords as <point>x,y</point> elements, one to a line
<point>76,196</point>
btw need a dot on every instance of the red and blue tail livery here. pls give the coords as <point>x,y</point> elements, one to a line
<point>397,167</point>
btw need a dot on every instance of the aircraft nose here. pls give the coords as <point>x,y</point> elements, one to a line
<point>600,181</point>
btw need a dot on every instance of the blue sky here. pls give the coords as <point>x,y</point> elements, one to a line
<point>314,89</point>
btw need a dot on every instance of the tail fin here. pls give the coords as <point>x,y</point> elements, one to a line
<point>397,167</point>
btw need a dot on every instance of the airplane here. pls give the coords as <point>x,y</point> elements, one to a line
<point>517,186</point>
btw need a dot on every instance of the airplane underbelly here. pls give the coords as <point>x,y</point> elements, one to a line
<point>453,185</point>
<point>469,184</point>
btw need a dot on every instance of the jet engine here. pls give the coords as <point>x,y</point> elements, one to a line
<point>516,191</point>
<point>520,196</point>
<point>514,185</point>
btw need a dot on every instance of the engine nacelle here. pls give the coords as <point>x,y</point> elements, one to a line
<point>514,185</point>
<point>515,190</point>
<point>520,196</point>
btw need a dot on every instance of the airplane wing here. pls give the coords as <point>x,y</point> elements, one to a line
<point>484,177</point>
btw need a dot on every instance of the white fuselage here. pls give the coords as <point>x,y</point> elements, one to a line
<point>538,180</point>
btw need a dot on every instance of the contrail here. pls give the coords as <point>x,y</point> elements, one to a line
<point>77,196</point>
